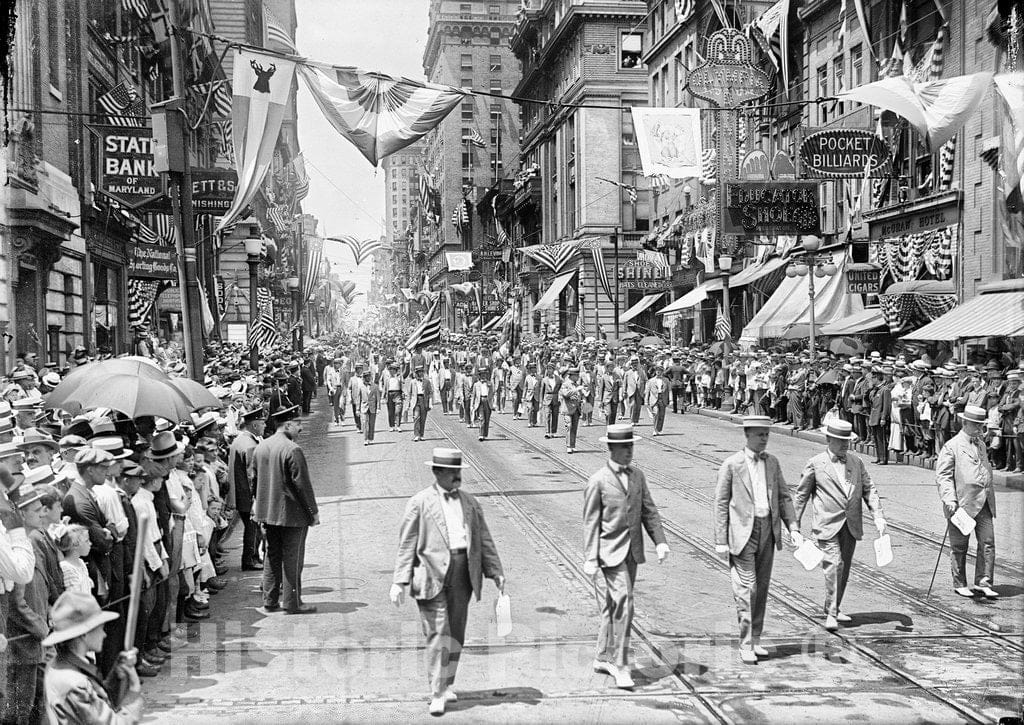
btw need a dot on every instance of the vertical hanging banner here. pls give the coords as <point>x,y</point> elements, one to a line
<point>669,141</point>
<point>261,84</point>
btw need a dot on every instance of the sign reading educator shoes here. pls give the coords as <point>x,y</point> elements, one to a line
<point>754,208</point>
<point>845,153</point>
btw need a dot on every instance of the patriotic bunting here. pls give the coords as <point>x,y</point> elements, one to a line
<point>655,259</point>
<point>378,113</point>
<point>428,331</point>
<point>263,333</point>
<point>904,258</point>
<point>904,313</point>
<point>125,106</point>
<point>142,293</point>
<point>430,199</point>
<point>554,256</point>
<point>213,98</point>
<point>602,272</point>
<point>138,8</point>
<point>314,265</point>
<point>723,325</point>
<point>360,249</point>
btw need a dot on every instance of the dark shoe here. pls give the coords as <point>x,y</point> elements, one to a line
<point>164,646</point>
<point>201,606</point>
<point>302,609</point>
<point>221,569</point>
<point>272,607</point>
<point>253,566</point>
<point>216,582</point>
<point>195,615</point>
<point>155,656</point>
<point>144,670</point>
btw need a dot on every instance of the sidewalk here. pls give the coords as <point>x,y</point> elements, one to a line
<point>1006,480</point>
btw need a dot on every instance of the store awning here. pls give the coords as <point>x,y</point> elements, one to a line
<point>863,321</point>
<point>497,321</point>
<point>997,314</point>
<point>645,302</point>
<point>550,297</point>
<point>695,296</point>
<point>922,287</point>
<point>787,312</point>
<point>756,271</point>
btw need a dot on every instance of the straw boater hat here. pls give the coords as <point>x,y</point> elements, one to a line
<point>757,421</point>
<point>114,445</point>
<point>973,414</point>
<point>446,458</point>
<point>619,434</point>
<point>74,614</point>
<point>840,429</point>
<point>35,437</point>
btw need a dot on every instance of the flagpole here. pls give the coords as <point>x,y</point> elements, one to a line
<point>615,240</point>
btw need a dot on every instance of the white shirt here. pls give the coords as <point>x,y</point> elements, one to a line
<point>454,519</point>
<point>109,502</point>
<point>756,469</point>
<point>839,470</point>
<point>152,550</point>
<point>620,473</point>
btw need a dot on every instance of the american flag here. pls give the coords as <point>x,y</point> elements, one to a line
<point>475,139</point>
<point>124,104</point>
<point>578,328</point>
<point>297,169</point>
<point>503,237</point>
<point>601,271</point>
<point>684,9</point>
<point>629,188</point>
<point>142,294</point>
<point>263,333</point>
<point>723,325</point>
<point>222,142</point>
<point>655,259</point>
<point>554,256</point>
<point>276,32</point>
<point>360,249</point>
<point>140,8</point>
<point>314,265</point>
<point>429,330</point>
<point>213,98</point>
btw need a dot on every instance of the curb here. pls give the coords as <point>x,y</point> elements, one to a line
<point>1013,481</point>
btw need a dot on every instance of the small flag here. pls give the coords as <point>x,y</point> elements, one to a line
<point>475,139</point>
<point>360,249</point>
<point>275,31</point>
<point>140,8</point>
<point>723,326</point>
<point>429,329</point>
<point>124,104</point>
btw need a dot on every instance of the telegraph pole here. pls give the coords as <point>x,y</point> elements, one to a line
<point>184,220</point>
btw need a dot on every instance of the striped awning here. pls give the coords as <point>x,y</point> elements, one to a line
<point>497,321</point>
<point>997,314</point>
<point>863,321</point>
<point>636,310</point>
<point>694,297</point>
<point>550,296</point>
<point>756,271</point>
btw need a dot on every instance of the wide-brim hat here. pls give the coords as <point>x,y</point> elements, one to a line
<point>973,414</point>
<point>114,445</point>
<point>248,416</point>
<point>74,614</point>
<point>618,434</point>
<point>165,445</point>
<point>446,458</point>
<point>35,437</point>
<point>840,429</point>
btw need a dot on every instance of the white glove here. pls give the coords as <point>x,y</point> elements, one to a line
<point>397,594</point>
<point>662,550</point>
<point>590,568</point>
<point>797,538</point>
<point>721,548</point>
<point>880,525</point>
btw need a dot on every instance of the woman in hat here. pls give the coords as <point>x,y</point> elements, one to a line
<point>75,691</point>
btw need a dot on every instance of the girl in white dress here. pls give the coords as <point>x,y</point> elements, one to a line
<point>73,542</point>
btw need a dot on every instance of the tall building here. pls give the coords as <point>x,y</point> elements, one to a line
<point>468,47</point>
<point>585,53</point>
<point>402,171</point>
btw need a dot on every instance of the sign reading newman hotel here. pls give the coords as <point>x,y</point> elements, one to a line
<point>753,208</point>
<point>126,164</point>
<point>844,153</point>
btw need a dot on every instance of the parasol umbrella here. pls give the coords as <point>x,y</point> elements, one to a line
<point>652,340</point>
<point>630,336</point>
<point>132,394</point>
<point>721,347</point>
<point>100,370</point>
<point>197,395</point>
<point>846,346</point>
<point>829,377</point>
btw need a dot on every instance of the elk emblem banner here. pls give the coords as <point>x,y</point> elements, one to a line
<point>261,85</point>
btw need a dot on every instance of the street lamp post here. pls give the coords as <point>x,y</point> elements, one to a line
<point>253,247</point>
<point>818,265</point>
<point>293,287</point>
<point>725,266</point>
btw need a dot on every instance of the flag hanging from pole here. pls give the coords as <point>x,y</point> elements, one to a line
<point>263,333</point>
<point>124,104</point>
<point>378,113</point>
<point>723,326</point>
<point>360,249</point>
<point>276,33</point>
<point>602,272</point>
<point>429,329</point>
<point>314,263</point>
<point>261,85</point>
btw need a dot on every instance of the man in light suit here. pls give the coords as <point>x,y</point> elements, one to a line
<point>549,400</point>
<point>369,404</point>
<point>571,393</point>
<point>963,475</point>
<point>355,385</point>
<point>837,483</point>
<point>750,501</point>
<point>632,391</point>
<point>483,401</point>
<point>616,504</point>
<point>444,551</point>
<point>531,396</point>
<point>286,506</point>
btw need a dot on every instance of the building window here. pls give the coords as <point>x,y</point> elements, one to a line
<point>656,88</point>
<point>467,111</point>
<point>856,67</point>
<point>467,181</point>
<point>838,72</point>
<point>467,160</point>
<point>54,53</point>
<point>495,64</point>
<point>822,93</point>
<point>466,11</point>
<point>494,10</point>
<point>467,61</point>
<point>495,85</point>
<point>466,83</point>
<point>630,49</point>
<point>495,37</point>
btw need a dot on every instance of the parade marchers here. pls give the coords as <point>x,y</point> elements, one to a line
<point>77,483</point>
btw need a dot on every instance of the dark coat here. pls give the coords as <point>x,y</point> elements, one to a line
<point>240,472</point>
<point>284,495</point>
<point>308,377</point>
<point>27,620</point>
<point>48,562</point>
<point>881,404</point>
<point>80,506</point>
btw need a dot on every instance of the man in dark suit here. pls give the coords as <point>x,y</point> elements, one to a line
<point>837,484</point>
<point>240,495</point>
<point>286,506</point>
<point>81,508</point>
<point>616,504</point>
<point>369,404</point>
<point>421,398</point>
<point>307,376</point>
<point>294,384</point>
<point>880,397</point>
<point>444,551</point>
<point>750,501</point>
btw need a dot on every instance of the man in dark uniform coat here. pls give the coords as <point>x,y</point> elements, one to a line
<point>308,379</point>
<point>286,505</point>
<point>250,433</point>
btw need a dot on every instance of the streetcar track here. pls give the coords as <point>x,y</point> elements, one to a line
<point>706,552</point>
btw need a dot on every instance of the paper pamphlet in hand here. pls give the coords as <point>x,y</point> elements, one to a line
<point>963,522</point>
<point>503,614</point>
<point>883,550</point>
<point>809,555</point>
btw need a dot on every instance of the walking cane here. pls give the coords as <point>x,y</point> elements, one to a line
<point>131,618</point>
<point>937,560</point>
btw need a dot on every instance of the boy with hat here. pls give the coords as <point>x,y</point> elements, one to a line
<point>751,499</point>
<point>837,483</point>
<point>616,503</point>
<point>445,549</point>
<point>963,476</point>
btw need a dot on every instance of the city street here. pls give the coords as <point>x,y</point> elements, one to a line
<point>904,658</point>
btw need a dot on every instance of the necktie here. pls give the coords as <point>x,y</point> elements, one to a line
<point>448,495</point>
<point>839,459</point>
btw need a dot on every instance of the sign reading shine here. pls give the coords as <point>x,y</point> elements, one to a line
<point>753,208</point>
<point>845,153</point>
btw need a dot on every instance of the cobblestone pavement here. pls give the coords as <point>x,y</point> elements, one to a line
<point>907,657</point>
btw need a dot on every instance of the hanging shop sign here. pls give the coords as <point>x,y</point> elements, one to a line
<point>153,261</point>
<point>213,190</point>
<point>634,275</point>
<point>126,164</point>
<point>754,208</point>
<point>927,217</point>
<point>845,153</point>
<point>863,279</point>
<point>729,77</point>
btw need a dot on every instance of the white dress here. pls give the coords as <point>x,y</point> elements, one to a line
<point>76,576</point>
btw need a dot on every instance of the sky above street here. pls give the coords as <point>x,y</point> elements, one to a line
<point>346,193</point>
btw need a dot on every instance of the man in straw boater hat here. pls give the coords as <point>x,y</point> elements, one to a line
<point>963,475</point>
<point>444,551</point>
<point>286,506</point>
<point>750,501</point>
<point>838,484</point>
<point>616,504</point>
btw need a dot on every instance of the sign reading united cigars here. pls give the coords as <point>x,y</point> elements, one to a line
<point>845,153</point>
<point>754,208</point>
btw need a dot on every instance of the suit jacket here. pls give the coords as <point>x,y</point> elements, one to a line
<point>81,508</point>
<point>858,397</point>
<point>963,475</point>
<point>612,518</point>
<point>572,396</point>
<point>240,472</point>
<point>423,548</point>
<point>370,398</point>
<point>835,503</point>
<point>631,384</point>
<point>734,502</point>
<point>48,562</point>
<point>881,405</point>
<point>610,383</point>
<point>308,376</point>
<point>478,395</point>
<point>549,390</point>
<point>284,494</point>
<point>656,392</point>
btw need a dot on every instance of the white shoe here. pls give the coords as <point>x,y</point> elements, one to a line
<point>568,450</point>
<point>965,592</point>
<point>366,443</point>
<point>843,617</point>
<point>760,651</point>
<point>623,679</point>
<point>437,705</point>
<point>603,667</point>
<point>450,696</point>
<point>748,656</point>
<point>987,592</point>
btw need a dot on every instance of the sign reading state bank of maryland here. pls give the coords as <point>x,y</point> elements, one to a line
<point>755,208</point>
<point>844,153</point>
<point>126,164</point>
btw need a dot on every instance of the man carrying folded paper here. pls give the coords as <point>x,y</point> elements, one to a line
<point>963,475</point>
<point>838,484</point>
<point>750,499</point>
